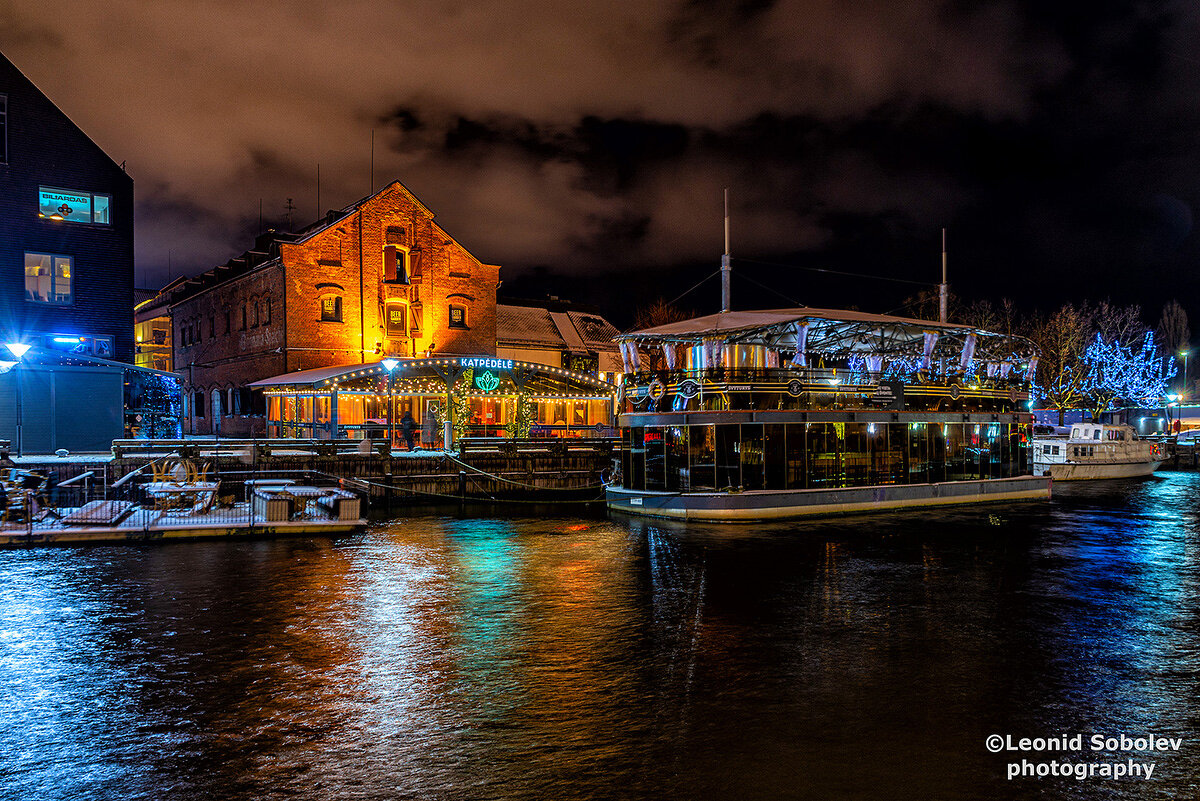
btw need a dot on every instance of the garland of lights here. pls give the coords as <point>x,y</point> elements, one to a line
<point>1121,375</point>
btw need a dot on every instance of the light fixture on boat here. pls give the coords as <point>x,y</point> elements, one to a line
<point>18,348</point>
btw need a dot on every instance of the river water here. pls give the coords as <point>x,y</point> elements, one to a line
<point>582,657</point>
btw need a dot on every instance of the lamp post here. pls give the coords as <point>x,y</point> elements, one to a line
<point>18,349</point>
<point>1184,354</point>
<point>390,365</point>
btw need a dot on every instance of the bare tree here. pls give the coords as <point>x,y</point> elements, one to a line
<point>660,312</point>
<point>1175,338</point>
<point>1063,338</point>
<point>1173,332</point>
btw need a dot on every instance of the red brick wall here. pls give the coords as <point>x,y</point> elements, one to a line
<point>328,263</point>
<point>218,359</point>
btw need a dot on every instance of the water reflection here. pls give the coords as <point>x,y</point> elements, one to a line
<point>518,658</point>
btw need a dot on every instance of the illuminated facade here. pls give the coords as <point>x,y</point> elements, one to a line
<point>480,395</point>
<point>377,278</point>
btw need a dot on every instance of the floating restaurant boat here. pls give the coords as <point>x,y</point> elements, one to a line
<point>171,509</point>
<point>1096,451</point>
<point>757,415</point>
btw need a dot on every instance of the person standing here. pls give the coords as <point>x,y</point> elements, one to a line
<point>408,427</point>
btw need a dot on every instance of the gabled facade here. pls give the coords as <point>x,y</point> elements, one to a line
<point>66,230</point>
<point>377,278</point>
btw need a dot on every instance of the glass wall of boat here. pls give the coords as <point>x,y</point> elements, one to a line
<point>943,392</point>
<point>167,491</point>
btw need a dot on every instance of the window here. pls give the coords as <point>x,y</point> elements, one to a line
<point>3,129</point>
<point>254,314</point>
<point>212,326</point>
<point>227,321</point>
<point>267,312</point>
<point>395,320</point>
<point>395,264</point>
<point>243,317</point>
<point>47,278</point>
<point>458,316</point>
<point>331,309</point>
<point>198,403</point>
<point>70,205</point>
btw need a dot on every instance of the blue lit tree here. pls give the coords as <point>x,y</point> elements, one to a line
<point>1119,374</point>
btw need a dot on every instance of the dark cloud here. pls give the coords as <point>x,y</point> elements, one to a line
<point>1056,141</point>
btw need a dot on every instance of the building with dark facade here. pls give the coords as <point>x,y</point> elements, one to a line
<point>66,282</point>
<point>66,230</point>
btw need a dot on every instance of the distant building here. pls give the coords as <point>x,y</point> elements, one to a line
<point>377,278</point>
<point>558,334</point>
<point>152,333</point>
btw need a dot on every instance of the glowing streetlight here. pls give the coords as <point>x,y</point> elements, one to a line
<point>1184,354</point>
<point>390,365</point>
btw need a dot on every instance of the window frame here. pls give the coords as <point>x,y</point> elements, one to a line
<point>394,332</point>
<point>401,269</point>
<point>91,202</point>
<point>53,278</point>
<point>336,314</point>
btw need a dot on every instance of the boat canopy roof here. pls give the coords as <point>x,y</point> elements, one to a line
<point>833,331</point>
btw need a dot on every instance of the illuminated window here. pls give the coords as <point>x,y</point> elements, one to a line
<point>331,309</point>
<point>458,316</point>
<point>48,278</point>
<point>395,320</point>
<point>395,264</point>
<point>3,129</point>
<point>70,205</point>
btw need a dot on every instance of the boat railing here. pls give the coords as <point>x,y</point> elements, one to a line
<point>834,377</point>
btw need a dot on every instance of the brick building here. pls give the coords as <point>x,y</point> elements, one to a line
<point>377,278</point>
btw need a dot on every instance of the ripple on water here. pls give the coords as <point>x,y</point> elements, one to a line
<point>436,657</point>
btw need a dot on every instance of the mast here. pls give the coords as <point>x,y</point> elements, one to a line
<point>943,288</point>
<point>725,259</point>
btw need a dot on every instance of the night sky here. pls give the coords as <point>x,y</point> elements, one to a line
<point>584,146</point>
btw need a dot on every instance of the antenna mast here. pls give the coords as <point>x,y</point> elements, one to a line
<point>725,259</point>
<point>943,288</point>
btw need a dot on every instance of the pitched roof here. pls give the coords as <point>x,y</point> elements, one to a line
<point>573,330</point>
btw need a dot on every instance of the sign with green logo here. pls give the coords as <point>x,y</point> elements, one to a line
<point>486,381</point>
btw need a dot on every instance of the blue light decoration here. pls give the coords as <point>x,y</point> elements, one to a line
<point>153,405</point>
<point>1124,375</point>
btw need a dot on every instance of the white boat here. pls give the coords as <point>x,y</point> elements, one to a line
<point>1096,451</point>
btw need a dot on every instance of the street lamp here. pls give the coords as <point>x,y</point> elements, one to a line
<point>390,365</point>
<point>18,349</point>
<point>1184,354</point>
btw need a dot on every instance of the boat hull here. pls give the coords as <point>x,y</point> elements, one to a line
<point>1067,471</point>
<point>758,505</point>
